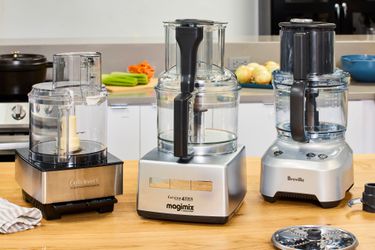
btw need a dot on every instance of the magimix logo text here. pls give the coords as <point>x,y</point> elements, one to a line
<point>181,207</point>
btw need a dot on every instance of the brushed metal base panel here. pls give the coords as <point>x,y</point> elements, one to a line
<point>207,186</point>
<point>324,170</point>
<point>70,184</point>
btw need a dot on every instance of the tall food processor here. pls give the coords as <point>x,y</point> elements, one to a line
<point>310,158</point>
<point>67,167</point>
<point>198,172</point>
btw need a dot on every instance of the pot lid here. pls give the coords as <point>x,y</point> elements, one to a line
<point>314,237</point>
<point>17,59</point>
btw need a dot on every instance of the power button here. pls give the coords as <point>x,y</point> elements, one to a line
<point>322,156</point>
<point>310,155</point>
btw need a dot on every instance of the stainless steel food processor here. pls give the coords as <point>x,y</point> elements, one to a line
<point>67,168</point>
<point>310,158</point>
<point>198,172</point>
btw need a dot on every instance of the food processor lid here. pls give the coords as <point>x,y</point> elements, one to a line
<point>21,61</point>
<point>45,93</point>
<point>313,237</point>
<point>227,82</point>
<point>298,23</point>
<point>338,78</point>
<point>196,22</point>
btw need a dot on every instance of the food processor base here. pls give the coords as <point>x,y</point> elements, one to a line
<point>56,210</point>
<point>318,172</point>
<point>184,218</point>
<point>302,197</point>
<point>207,189</point>
<point>62,188</point>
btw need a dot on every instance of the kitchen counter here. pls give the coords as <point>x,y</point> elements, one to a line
<point>251,228</point>
<point>357,91</point>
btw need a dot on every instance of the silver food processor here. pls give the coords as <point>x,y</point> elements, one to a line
<point>198,172</point>
<point>310,158</point>
<point>67,168</point>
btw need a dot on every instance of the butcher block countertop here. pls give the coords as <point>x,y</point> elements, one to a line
<point>251,228</point>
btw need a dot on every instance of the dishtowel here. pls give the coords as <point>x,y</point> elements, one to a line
<point>14,218</point>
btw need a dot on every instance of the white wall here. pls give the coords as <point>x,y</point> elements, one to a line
<point>30,19</point>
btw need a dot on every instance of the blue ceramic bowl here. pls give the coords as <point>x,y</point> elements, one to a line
<point>360,67</point>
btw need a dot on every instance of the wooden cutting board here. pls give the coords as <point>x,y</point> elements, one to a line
<point>138,88</point>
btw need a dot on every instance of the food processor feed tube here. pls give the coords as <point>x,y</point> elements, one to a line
<point>298,89</point>
<point>188,38</point>
<point>303,110</point>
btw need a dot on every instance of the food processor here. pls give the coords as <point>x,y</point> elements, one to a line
<point>310,158</point>
<point>198,171</point>
<point>67,168</point>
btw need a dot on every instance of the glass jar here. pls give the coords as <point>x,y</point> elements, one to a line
<point>68,115</point>
<point>311,96</point>
<point>214,104</point>
<point>326,107</point>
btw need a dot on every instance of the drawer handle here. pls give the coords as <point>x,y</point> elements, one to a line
<point>119,106</point>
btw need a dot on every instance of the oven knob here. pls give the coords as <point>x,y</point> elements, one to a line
<point>18,113</point>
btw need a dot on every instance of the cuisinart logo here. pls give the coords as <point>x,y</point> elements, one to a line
<point>181,207</point>
<point>83,183</point>
<point>299,179</point>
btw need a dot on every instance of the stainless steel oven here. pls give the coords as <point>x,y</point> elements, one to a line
<point>18,72</point>
<point>14,127</point>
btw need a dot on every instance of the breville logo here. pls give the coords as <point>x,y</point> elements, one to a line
<point>181,207</point>
<point>299,179</point>
<point>83,183</point>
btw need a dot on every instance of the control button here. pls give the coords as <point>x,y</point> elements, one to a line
<point>180,184</point>
<point>310,155</point>
<point>277,153</point>
<point>155,182</point>
<point>322,156</point>
<point>201,186</point>
<point>166,183</point>
<point>18,113</point>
